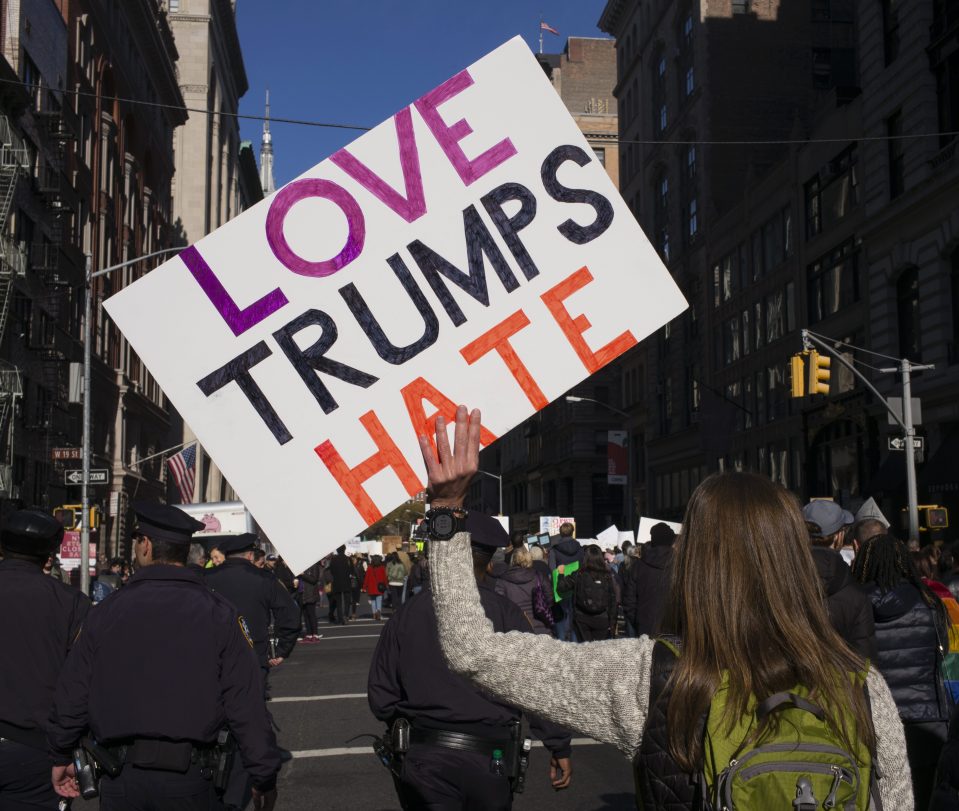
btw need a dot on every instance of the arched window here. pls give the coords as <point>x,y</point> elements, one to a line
<point>660,109</point>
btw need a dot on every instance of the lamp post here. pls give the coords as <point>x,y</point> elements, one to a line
<point>628,496</point>
<point>500,480</point>
<point>89,276</point>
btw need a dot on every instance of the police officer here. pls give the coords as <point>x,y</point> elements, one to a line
<point>455,729</point>
<point>41,617</point>
<point>161,666</point>
<point>259,597</point>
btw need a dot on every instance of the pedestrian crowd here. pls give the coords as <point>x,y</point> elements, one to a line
<point>767,653</point>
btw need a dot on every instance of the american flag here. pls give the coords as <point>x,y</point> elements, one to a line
<point>547,27</point>
<point>183,470</point>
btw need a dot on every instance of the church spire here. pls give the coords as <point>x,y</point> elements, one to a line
<point>266,153</point>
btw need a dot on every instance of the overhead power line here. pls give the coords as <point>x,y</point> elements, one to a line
<point>302,122</point>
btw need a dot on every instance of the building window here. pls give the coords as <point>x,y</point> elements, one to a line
<point>693,218</point>
<point>775,317</point>
<point>688,30</point>
<point>907,301</point>
<point>747,332</point>
<point>897,177</point>
<point>954,276</point>
<point>740,6</point>
<point>821,11</point>
<point>600,153</point>
<point>690,82</point>
<point>174,6</point>
<point>659,95</point>
<point>662,217</point>
<point>833,282</point>
<point>691,162</point>
<point>890,30</point>
<point>832,193</point>
<point>944,58</point>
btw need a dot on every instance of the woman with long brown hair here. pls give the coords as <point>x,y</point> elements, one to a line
<point>746,602</point>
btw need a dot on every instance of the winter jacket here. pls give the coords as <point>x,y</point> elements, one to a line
<point>646,589</point>
<point>945,797</point>
<point>563,552</point>
<point>308,584</point>
<point>850,610</point>
<point>341,569</point>
<point>908,643</point>
<point>517,584</point>
<point>375,575</point>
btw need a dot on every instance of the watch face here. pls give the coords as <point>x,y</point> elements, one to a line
<point>443,525</point>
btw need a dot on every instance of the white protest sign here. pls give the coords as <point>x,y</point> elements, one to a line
<point>609,537</point>
<point>469,250</point>
<point>646,524</point>
<point>550,524</point>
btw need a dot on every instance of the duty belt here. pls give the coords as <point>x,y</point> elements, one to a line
<point>457,740</point>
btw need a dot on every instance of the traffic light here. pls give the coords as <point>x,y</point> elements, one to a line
<point>818,372</point>
<point>798,375</point>
<point>71,515</point>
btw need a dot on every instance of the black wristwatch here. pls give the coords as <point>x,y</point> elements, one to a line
<point>442,523</point>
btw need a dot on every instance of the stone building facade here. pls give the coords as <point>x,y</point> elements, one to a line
<point>818,226</point>
<point>209,187</point>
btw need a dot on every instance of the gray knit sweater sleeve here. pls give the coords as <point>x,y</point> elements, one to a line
<point>895,786</point>
<point>600,689</point>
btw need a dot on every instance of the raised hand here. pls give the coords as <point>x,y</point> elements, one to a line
<point>449,472</point>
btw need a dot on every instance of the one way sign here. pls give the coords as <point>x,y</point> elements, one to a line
<point>898,443</point>
<point>96,476</point>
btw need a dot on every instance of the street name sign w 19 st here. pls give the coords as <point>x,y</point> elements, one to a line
<point>471,249</point>
<point>101,476</point>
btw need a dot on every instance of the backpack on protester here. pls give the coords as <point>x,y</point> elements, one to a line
<point>799,763</point>
<point>542,609</point>
<point>591,593</point>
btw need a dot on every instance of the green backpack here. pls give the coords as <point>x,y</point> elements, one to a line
<point>799,764</point>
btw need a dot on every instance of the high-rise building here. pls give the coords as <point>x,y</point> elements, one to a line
<point>121,162</point>
<point>209,187</point>
<point>819,191</point>
<point>266,153</point>
<point>41,273</point>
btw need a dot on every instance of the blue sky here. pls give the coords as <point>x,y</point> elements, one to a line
<point>359,61</point>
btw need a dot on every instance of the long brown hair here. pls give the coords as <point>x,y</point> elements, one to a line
<point>746,600</point>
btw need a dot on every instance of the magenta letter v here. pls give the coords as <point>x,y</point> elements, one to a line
<point>411,207</point>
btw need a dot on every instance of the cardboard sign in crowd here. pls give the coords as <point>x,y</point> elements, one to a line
<point>471,249</point>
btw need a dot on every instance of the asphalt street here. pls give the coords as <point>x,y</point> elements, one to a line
<point>318,700</point>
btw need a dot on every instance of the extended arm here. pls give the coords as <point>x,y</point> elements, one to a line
<point>895,783</point>
<point>611,679</point>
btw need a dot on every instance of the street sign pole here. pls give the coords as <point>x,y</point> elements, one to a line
<point>906,368</point>
<point>85,486</point>
<point>87,354</point>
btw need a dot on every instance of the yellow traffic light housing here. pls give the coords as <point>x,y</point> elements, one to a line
<point>819,372</point>
<point>71,516</point>
<point>798,376</point>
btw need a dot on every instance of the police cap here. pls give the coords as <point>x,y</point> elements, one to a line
<point>235,544</point>
<point>161,522</point>
<point>31,532</point>
<point>485,530</point>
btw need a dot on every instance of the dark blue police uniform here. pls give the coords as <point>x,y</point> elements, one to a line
<point>40,618</point>
<point>258,596</point>
<point>160,667</point>
<point>409,678</point>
